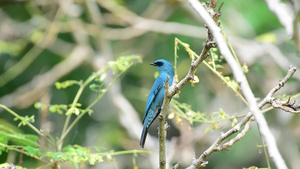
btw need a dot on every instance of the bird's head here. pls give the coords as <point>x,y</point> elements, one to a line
<point>163,66</point>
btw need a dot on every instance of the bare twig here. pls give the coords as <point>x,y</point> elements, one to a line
<point>228,144</point>
<point>290,73</point>
<point>216,146</point>
<point>241,79</point>
<point>288,105</point>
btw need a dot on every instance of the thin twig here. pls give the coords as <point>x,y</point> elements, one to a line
<point>281,83</point>
<point>20,117</point>
<point>288,105</point>
<point>238,137</point>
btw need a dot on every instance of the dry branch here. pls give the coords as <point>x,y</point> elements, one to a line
<point>245,88</point>
<point>218,146</point>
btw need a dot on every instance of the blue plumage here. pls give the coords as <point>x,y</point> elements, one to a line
<point>156,95</point>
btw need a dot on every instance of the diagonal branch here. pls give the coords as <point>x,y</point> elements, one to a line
<point>245,88</point>
<point>216,146</point>
<point>288,105</point>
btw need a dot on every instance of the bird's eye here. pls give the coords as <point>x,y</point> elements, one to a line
<point>159,63</point>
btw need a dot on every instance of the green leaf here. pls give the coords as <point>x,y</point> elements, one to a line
<point>52,109</point>
<point>37,36</point>
<point>102,77</point>
<point>24,120</point>
<point>90,111</point>
<point>267,38</point>
<point>20,139</point>
<point>95,87</point>
<point>123,63</point>
<point>74,110</point>
<point>245,68</point>
<point>233,122</point>
<point>94,158</point>
<point>37,105</point>
<point>207,130</point>
<point>3,140</point>
<point>32,150</point>
<point>59,108</point>
<point>66,84</point>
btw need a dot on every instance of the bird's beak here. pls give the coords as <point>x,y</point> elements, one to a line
<point>153,64</point>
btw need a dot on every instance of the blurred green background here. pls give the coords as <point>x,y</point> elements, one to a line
<point>38,42</point>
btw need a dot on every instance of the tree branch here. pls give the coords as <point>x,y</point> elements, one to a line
<point>288,105</point>
<point>175,88</point>
<point>216,146</point>
<point>162,128</point>
<point>245,88</point>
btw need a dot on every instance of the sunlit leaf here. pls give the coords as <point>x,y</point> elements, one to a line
<point>66,84</point>
<point>207,130</point>
<point>171,115</point>
<point>233,122</point>
<point>245,68</point>
<point>267,38</point>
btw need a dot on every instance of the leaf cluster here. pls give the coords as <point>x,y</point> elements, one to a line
<point>54,153</point>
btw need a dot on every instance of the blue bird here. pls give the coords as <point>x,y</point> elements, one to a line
<point>156,95</point>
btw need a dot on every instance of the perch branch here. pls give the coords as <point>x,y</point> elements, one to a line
<point>162,128</point>
<point>175,88</point>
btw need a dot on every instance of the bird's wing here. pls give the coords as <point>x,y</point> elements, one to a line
<point>157,86</point>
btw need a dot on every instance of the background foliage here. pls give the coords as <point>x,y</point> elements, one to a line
<point>43,42</point>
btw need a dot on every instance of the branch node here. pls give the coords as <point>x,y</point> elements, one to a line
<point>203,164</point>
<point>160,116</point>
<point>163,162</point>
<point>167,126</point>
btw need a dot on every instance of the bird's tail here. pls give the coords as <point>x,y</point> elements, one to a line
<point>143,136</point>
